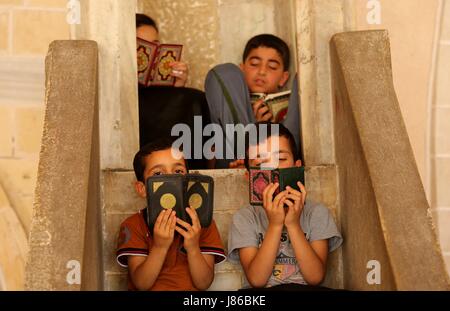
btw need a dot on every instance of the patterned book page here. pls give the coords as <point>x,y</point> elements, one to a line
<point>168,53</point>
<point>146,55</point>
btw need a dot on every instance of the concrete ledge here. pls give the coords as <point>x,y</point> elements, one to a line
<point>385,215</point>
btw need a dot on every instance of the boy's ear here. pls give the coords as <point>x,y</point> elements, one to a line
<point>241,65</point>
<point>298,163</point>
<point>284,79</point>
<point>139,186</point>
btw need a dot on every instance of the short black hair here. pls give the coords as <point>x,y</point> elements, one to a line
<point>142,19</point>
<point>156,145</point>
<point>260,138</point>
<point>269,41</point>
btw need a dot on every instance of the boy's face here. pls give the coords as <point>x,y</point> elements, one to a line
<point>160,163</point>
<point>272,155</point>
<point>147,33</point>
<point>263,70</point>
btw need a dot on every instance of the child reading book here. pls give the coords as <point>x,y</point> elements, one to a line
<point>147,30</point>
<point>174,255</point>
<point>264,70</point>
<point>286,241</point>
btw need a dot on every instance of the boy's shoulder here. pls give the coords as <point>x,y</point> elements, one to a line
<point>135,219</point>
<point>315,210</point>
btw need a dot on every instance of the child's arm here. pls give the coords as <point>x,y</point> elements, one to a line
<point>201,266</point>
<point>145,270</point>
<point>311,257</point>
<point>258,263</point>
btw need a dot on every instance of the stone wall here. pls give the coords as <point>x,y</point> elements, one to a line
<point>439,134</point>
<point>26,29</point>
<point>215,31</point>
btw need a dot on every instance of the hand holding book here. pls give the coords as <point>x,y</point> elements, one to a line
<point>270,107</point>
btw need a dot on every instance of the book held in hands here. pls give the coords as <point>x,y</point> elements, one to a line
<point>154,62</point>
<point>277,103</point>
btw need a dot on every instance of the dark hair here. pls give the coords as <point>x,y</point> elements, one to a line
<point>142,19</point>
<point>269,41</point>
<point>261,137</point>
<point>156,145</point>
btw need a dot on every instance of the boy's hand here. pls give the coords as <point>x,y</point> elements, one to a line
<point>180,72</point>
<point>261,111</point>
<point>190,233</point>
<point>274,207</point>
<point>295,200</point>
<point>164,229</point>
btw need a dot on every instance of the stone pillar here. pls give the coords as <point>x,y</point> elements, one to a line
<point>66,199</point>
<point>111,23</point>
<point>385,216</point>
<point>317,21</point>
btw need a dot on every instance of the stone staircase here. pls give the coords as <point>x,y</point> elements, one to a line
<point>372,186</point>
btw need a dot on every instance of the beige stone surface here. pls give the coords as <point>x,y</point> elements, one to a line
<point>441,130</point>
<point>445,29</point>
<point>441,194</point>
<point>195,25</point>
<point>6,134</point>
<point>317,21</point>
<point>443,219</point>
<point>29,125</point>
<point>18,177</point>
<point>13,239</point>
<point>4,32</point>
<point>239,21</point>
<point>385,215</point>
<point>411,25</point>
<point>11,2</point>
<point>35,29</point>
<point>112,25</point>
<point>65,176</point>
<point>47,3</point>
<point>442,76</point>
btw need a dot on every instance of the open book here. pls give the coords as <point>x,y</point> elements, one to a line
<point>153,62</point>
<point>277,102</point>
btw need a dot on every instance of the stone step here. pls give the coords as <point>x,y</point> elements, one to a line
<point>230,194</point>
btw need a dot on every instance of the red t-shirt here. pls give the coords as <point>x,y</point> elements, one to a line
<point>135,240</point>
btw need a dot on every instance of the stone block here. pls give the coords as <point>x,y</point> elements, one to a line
<point>230,188</point>
<point>4,32</point>
<point>116,281</point>
<point>110,236</point>
<point>442,76</point>
<point>440,193</point>
<point>11,2</point>
<point>441,130</point>
<point>6,131</point>
<point>223,222</point>
<point>226,281</point>
<point>29,127</point>
<point>35,29</point>
<point>68,180</point>
<point>445,28</point>
<point>384,212</point>
<point>443,229</point>
<point>47,3</point>
<point>119,193</point>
